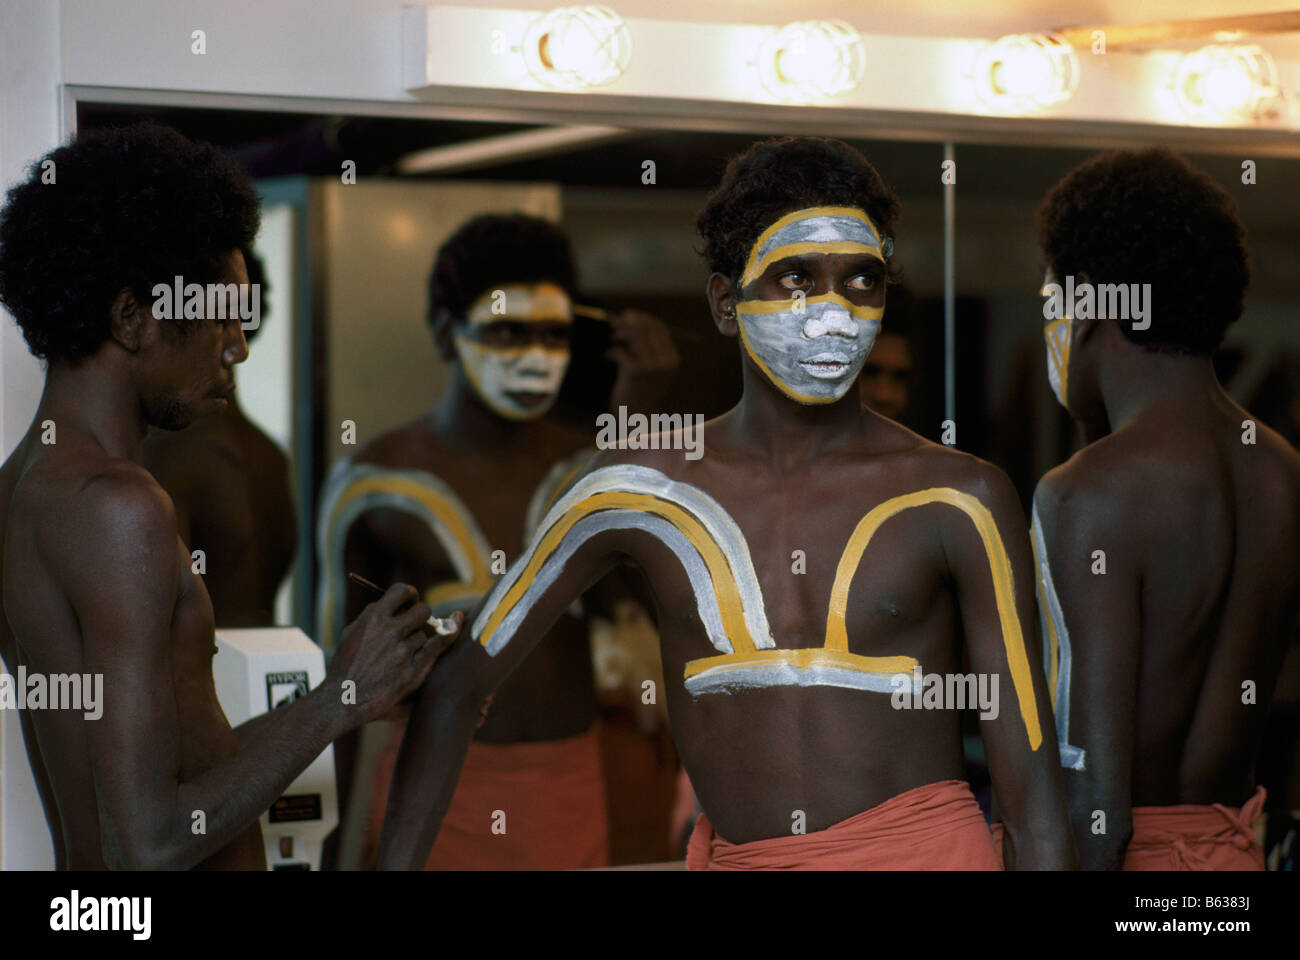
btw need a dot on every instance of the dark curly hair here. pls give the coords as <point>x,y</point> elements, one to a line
<point>775,177</point>
<point>1149,216</point>
<point>126,208</point>
<point>489,250</point>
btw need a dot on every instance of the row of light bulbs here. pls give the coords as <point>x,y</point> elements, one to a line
<point>577,48</point>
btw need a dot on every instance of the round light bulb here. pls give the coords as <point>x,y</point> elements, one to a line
<point>811,60</point>
<point>1023,72</point>
<point>573,48</point>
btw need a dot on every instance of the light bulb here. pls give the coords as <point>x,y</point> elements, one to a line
<point>572,48</point>
<point>1023,72</point>
<point>811,60</point>
<point>1221,82</point>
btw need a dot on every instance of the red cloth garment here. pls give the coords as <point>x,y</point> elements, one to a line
<point>1191,837</point>
<point>552,793</point>
<point>938,826</point>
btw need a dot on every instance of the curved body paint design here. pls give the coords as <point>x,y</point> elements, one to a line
<point>352,489</point>
<point>1056,649</point>
<point>715,557</point>
<point>717,561</point>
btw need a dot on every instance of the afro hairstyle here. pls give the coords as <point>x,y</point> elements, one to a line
<point>1149,216</point>
<point>115,209</point>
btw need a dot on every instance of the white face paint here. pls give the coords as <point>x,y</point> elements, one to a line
<point>500,376</point>
<point>812,349</point>
<point>518,383</point>
<point>1057,334</point>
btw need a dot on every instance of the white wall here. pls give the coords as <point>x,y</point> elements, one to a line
<point>29,126</point>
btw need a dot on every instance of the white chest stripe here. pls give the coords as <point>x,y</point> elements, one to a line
<point>1052,621</point>
<point>720,527</point>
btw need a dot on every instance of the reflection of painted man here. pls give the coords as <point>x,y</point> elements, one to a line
<point>885,385</point>
<point>442,501</point>
<point>1166,547</point>
<point>230,486</point>
<point>803,569</point>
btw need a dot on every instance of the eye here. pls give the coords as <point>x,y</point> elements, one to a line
<point>863,281</point>
<point>793,280</point>
<point>558,337</point>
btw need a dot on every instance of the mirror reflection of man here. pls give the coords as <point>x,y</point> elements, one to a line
<point>889,372</point>
<point>94,579</point>
<point>443,500</point>
<point>790,672</point>
<point>1166,547</point>
<point>229,483</point>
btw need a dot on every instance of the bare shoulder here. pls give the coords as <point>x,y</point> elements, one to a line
<point>939,466</point>
<point>409,446</point>
<point>120,503</point>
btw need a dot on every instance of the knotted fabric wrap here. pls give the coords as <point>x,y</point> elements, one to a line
<point>1190,837</point>
<point>935,827</point>
<point>552,793</point>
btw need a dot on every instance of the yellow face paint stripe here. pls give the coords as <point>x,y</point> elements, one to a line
<point>525,303</point>
<point>715,561</point>
<point>825,247</point>
<point>855,212</point>
<point>999,568</point>
<point>788,306</point>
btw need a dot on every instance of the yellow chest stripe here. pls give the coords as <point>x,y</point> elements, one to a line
<point>999,568</point>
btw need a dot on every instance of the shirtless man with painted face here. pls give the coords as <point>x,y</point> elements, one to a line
<point>95,578</point>
<point>807,568</point>
<point>1167,546</point>
<point>441,501</point>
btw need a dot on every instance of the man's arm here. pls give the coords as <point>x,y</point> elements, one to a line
<point>123,580</point>
<point>452,699</point>
<point>1098,643</point>
<point>988,556</point>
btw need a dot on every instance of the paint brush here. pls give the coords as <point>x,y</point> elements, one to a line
<point>443,627</point>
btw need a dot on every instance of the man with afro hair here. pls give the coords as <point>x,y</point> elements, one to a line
<point>97,585</point>
<point>441,501</point>
<point>820,573</point>
<point>1166,547</point>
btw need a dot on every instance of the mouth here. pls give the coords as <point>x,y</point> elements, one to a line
<point>529,398</point>
<point>827,366</point>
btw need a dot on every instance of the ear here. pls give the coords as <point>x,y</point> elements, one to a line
<point>443,322</point>
<point>128,324</point>
<point>722,302</point>
<point>1082,330</point>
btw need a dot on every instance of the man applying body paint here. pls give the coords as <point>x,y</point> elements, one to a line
<point>431,501</point>
<point>815,554</point>
<point>1166,547</point>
